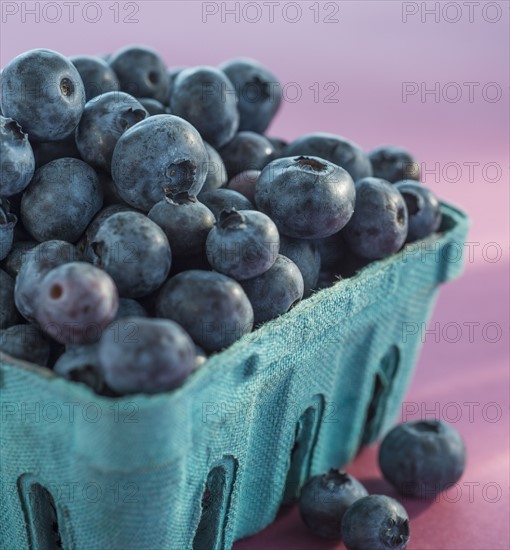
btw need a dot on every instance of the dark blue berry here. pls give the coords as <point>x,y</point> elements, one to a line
<point>378,227</point>
<point>62,198</point>
<point>14,259</point>
<point>335,149</point>
<point>97,76</point>
<point>17,163</point>
<point>246,151</point>
<point>205,97</point>
<point>216,171</point>
<point>423,209</point>
<point>324,500</point>
<point>375,522</point>
<point>153,106</point>
<point>8,313</point>
<point>81,364</point>
<point>212,307</point>
<point>7,223</point>
<point>242,244</point>
<point>394,164</point>
<point>274,292</point>
<point>245,183</point>
<point>161,155</point>
<point>46,151</point>
<point>224,199</point>
<point>305,254</point>
<point>140,355</point>
<point>43,91</point>
<point>25,342</point>
<point>307,197</point>
<point>422,458</point>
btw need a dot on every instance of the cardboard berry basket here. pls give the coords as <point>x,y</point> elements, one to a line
<point>211,462</point>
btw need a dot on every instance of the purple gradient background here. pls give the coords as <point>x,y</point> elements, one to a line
<point>369,53</point>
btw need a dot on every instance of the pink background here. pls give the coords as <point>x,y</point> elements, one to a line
<point>368,55</point>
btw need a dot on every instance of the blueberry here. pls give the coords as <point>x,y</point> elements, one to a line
<point>161,155</point>
<point>205,97</point>
<point>83,245</point>
<point>216,171</point>
<point>17,163</point>
<point>274,292</point>
<point>212,307</point>
<point>185,221</point>
<point>46,151</point>
<point>110,193</point>
<point>7,224</point>
<point>25,342</point>
<point>172,75</point>
<point>394,164</point>
<point>81,364</point>
<point>8,313</point>
<point>153,106</point>
<point>375,522</point>
<point>146,356</point>
<point>242,244</point>
<point>246,151</point>
<point>305,254</point>
<point>335,149</point>
<point>225,199</point>
<point>97,76</point>
<point>325,498</point>
<point>244,183</point>
<point>72,186</point>
<point>422,458</point>
<point>141,72</point>
<point>332,250</point>
<point>258,90</point>
<point>36,264</point>
<point>130,308</point>
<point>43,91</point>
<point>378,227</point>
<point>307,197</point>
<point>13,260</point>
<point>105,118</point>
<point>75,302</point>
<point>134,251</point>
<point>423,209</point>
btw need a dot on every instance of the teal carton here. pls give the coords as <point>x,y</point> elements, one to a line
<point>211,462</point>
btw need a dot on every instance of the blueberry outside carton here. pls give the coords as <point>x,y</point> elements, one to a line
<point>211,462</point>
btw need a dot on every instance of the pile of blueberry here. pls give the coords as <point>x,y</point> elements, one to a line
<point>420,459</point>
<point>146,220</point>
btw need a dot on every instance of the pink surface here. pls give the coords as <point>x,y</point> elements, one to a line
<point>364,60</point>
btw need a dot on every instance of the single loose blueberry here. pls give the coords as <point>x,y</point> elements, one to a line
<point>60,201</point>
<point>146,355</point>
<point>279,146</point>
<point>307,197</point>
<point>305,254</point>
<point>258,90</point>
<point>274,292</point>
<point>423,209</point>
<point>243,244</point>
<point>246,151</point>
<point>134,251</point>
<point>394,164</point>
<point>75,302</point>
<point>25,342</point>
<point>97,76</point>
<point>324,500</point>
<point>185,221</point>
<point>17,163</point>
<point>422,458</point>
<point>105,118</point>
<point>205,97</point>
<point>216,171</point>
<point>36,263</point>
<point>44,92</point>
<point>244,183</point>
<point>161,155</point>
<point>141,72</point>
<point>153,106</point>
<point>375,522</point>
<point>212,307</point>
<point>7,223</point>
<point>224,199</point>
<point>335,149</point>
<point>130,308</point>
<point>378,227</point>
<point>8,313</point>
